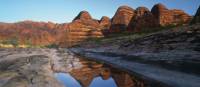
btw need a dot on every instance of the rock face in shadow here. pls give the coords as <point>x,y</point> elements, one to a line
<point>181,42</point>
<point>196,18</point>
<point>143,19</point>
<point>121,19</point>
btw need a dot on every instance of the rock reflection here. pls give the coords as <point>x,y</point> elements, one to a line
<point>93,74</point>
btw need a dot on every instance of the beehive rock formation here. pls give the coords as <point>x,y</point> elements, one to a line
<point>84,19</point>
<point>105,23</point>
<point>122,18</point>
<point>180,17</point>
<point>83,27</point>
<point>143,19</point>
<point>83,15</point>
<point>165,16</point>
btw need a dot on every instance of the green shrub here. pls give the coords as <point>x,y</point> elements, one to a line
<point>12,41</point>
<point>52,46</point>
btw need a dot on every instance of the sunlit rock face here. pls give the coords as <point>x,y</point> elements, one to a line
<point>105,23</point>
<point>83,15</point>
<point>84,18</point>
<point>162,14</point>
<point>166,16</point>
<point>121,18</point>
<point>83,27</point>
<point>180,17</point>
<point>46,33</point>
<point>196,18</point>
<point>29,32</point>
<point>141,19</point>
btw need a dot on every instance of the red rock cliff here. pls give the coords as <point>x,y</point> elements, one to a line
<point>84,27</point>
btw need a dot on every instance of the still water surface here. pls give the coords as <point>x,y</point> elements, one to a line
<point>95,74</point>
<point>69,81</point>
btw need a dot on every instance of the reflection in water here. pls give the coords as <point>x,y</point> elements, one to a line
<point>67,80</point>
<point>99,82</point>
<point>93,74</point>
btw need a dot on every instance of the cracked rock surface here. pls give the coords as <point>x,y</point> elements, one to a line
<point>33,67</point>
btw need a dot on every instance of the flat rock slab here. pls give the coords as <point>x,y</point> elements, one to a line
<point>26,68</point>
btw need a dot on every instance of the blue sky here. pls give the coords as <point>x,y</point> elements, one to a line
<point>61,11</point>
